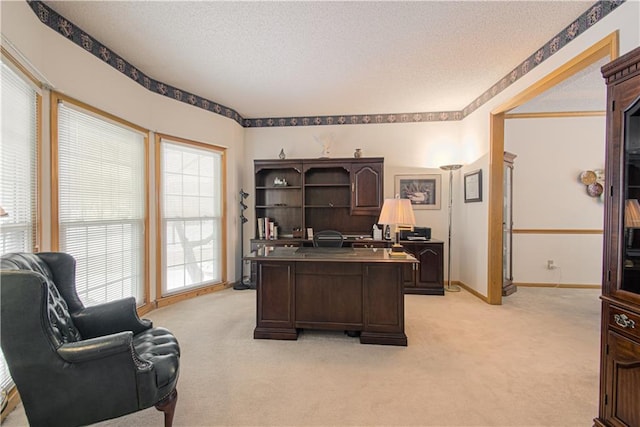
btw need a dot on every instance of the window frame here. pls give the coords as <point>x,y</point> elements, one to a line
<point>143,306</point>
<point>161,299</point>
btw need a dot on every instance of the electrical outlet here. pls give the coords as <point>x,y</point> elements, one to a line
<point>551,265</point>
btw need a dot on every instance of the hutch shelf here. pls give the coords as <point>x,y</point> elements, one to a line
<point>337,194</point>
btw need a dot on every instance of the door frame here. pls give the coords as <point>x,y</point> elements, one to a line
<point>608,46</point>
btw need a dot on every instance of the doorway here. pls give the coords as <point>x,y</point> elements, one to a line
<point>605,47</point>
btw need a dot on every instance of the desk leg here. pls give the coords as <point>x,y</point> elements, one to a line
<point>383,305</point>
<point>384,339</point>
<point>275,333</point>
<point>275,314</point>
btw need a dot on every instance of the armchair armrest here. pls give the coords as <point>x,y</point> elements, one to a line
<point>96,348</point>
<point>110,318</point>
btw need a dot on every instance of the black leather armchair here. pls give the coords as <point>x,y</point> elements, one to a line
<point>76,365</point>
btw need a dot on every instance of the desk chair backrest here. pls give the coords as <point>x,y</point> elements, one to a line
<point>328,239</point>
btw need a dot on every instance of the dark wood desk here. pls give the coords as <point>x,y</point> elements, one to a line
<point>349,289</point>
<point>424,278</point>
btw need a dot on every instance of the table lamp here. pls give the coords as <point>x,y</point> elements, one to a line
<point>397,212</point>
<point>631,219</point>
<point>632,213</point>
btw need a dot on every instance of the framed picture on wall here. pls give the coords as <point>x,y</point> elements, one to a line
<point>422,190</point>
<point>473,186</point>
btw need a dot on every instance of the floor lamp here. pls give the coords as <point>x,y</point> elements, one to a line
<point>450,168</point>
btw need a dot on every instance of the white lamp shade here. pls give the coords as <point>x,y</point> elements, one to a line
<point>397,212</point>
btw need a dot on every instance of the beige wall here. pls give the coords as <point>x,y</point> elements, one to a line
<point>552,152</point>
<point>407,148</point>
<point>416,148</point>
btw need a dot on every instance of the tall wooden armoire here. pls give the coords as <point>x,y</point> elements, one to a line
<point>620,339</point>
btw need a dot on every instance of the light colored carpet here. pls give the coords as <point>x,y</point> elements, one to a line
<point>531,362</point>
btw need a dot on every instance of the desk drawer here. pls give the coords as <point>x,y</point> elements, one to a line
<point>369,244</point>
<point>329,268</point>
<point>624,321</point>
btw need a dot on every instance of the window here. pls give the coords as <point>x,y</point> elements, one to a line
<point>101,201</point>
<point>18,160</point>
<point>191,220</point>
<point>19,137</point>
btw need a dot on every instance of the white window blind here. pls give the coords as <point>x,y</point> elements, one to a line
<point>18,175</point>
<point>101,205</point>
<point>18,163</point>
<point>191,211</point>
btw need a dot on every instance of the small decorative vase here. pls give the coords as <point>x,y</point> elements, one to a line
<point>282,155</point>
<point>358,153</point>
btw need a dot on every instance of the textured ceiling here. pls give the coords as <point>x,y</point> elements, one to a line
<point>279,59</point>
<point>585,91</point>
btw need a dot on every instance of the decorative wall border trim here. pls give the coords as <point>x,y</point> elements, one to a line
<point>75,34</point>
<point>355,119</point>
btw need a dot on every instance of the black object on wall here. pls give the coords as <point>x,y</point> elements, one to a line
<point>241,285</point>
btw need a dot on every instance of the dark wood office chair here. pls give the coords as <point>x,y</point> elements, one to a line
<point>328,239</point>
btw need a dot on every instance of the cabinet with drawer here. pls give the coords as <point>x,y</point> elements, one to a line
<point>425,278</point>
<point>620,339</point>
<point>257,244</point>
<point>621,366</point>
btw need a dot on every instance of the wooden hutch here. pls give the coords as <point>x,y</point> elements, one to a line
<point>620,339</point>
<point>343,194</point>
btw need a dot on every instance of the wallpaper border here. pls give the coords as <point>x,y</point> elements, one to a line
<point>72,32</point>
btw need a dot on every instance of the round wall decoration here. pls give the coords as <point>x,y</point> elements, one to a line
<point>594,181</point>
<point>588,177</point>
<point>595,189</point>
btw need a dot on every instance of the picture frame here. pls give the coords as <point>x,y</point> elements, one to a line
<point>473,186</point>
<point>423,190</point>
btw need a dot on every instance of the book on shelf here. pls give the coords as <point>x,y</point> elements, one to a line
<point>267,229</point>
<point>272,231</point>
<point>260,228</point>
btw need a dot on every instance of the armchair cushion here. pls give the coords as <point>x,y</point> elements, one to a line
<point>159,347</point>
